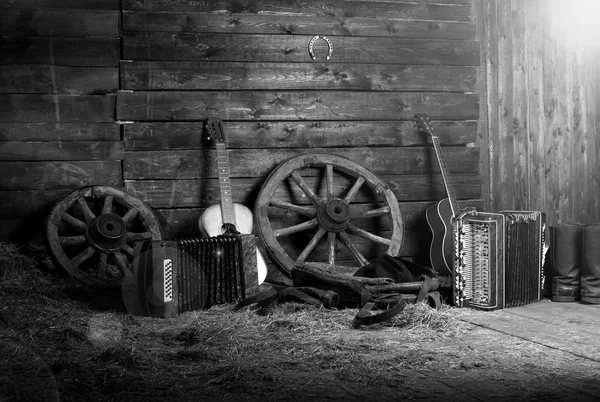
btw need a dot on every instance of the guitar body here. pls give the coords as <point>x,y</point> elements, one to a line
<point>211,225</point>
<point>211,220</point>
<point>439,218</point>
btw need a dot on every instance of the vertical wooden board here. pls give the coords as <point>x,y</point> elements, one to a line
<point>505,173</point>
<point>491,65</point>
<point>535,91</point>
<point>520,121</point>
<point>579,155</point>
<point>551,111</point>
<point>594,143</point>
<point>483,123</point>
<point>108,131</point>
<point>563,83</point>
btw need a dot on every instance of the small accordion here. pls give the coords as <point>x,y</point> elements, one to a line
<point>498,259</point>
<point>174,276</point>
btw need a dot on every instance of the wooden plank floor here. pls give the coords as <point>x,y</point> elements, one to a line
<point>569,327</point>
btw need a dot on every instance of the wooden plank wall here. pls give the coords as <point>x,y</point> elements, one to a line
<point>248,63</point>
<point>541,86</point>
<point>59,74</point>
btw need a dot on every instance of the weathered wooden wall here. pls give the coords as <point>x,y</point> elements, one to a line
<point>248,63</point>
<point>118,92</point>
<point>541,85</point>
<point>59,70</point>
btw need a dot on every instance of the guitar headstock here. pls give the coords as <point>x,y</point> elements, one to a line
<point>215,133</point>
<point>422,121</point>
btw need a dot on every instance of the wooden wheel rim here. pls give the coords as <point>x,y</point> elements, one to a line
<point>328,228</point>
<point>109,244</point>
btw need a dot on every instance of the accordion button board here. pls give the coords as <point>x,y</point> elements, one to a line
<point>498,259</point>
<point>174,276</point>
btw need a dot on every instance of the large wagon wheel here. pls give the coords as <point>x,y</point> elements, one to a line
<point>90,233</point>
<point>327,210</point>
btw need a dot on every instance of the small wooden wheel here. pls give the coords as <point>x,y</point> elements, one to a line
<point>334,200</point>
<point>90,232</point>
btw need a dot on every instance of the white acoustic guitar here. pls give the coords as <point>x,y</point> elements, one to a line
<point>228,216</point>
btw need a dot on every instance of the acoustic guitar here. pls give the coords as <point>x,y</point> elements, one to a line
<point>227,217</point>
<point>440,216</point>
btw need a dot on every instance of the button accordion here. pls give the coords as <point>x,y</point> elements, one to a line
<point>498,259</point>
<point>174,276</point>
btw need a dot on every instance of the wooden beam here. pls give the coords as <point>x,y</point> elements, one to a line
<point>297,134</point>
<point>61,151</point>
<point>263,105</point>
<point>34,108</point>
<point>60,131</point>
<point>294,48</point>
<point>55,175</point>
<point>191,21</point>
<point>60,51</point>
<point>183,193</point>
<point>49,79</point>
<point>185,75</point>
<point>59,22</point>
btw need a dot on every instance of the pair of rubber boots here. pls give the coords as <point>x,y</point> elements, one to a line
<point>572,264</point>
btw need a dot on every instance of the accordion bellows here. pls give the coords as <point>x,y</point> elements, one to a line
<point>498,259</point>
<point>174,276</point>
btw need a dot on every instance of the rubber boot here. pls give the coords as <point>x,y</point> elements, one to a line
<point>563,262</point>
<point>590,269</point>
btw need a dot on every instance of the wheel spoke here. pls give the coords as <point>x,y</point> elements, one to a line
<point>355,187</point>
<point>71,240</point>
<point>297,228</point>
<point>331,248</point>
<point>85,210</point>
<point>132,236</point>
<point>132,213</point>
<point>101,268</point>
<point>83,256</point>
<point>357,254</point>
<point>80,226</point>
<point>121,263</point>
<point>303,210</point>
<point>108,203</point>
<point>310,246</point>
<point>127,249</point>
<point>367,235</point>
<point>373,213</point>
<point>299,180</point>
<point>329,179</point>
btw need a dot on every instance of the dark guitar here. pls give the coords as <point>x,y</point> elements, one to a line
<point>440,216</point>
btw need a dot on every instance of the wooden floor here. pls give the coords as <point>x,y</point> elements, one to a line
<point>570,327</point>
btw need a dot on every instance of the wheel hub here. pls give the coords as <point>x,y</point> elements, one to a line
<point>334,215</point>
<point>107,233</point>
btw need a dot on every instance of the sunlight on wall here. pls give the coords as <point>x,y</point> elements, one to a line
<point>578,19</point>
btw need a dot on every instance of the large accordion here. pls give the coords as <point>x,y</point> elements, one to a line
<point>174,276</point>
<point>498,259</point>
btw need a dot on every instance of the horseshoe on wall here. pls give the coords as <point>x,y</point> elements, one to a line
<point>312,42</point>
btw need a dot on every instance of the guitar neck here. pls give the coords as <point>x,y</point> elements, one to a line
<point>225,184</point>
<point>454,204</point>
